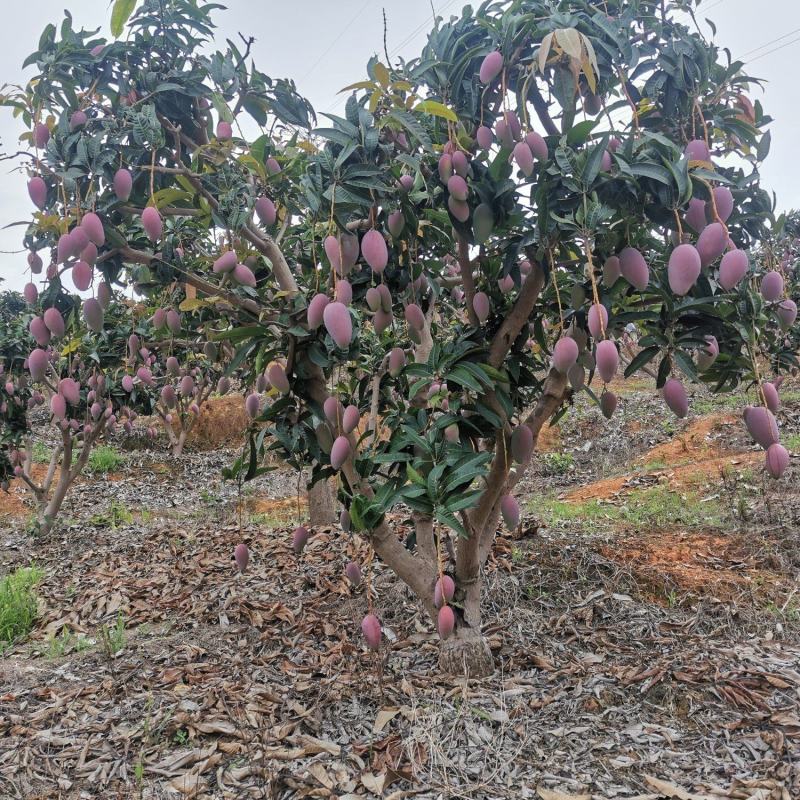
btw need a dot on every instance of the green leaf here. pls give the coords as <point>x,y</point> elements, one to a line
<point>579,133</point>
<point>411,124</point>
<point>120,15</point>
<point>436,109</point>
<point>762,150</point>
<point>464,501</point>
<point>489,415</point>
<point>441,515</point>
<point>462,377</point>
<point>654,171</point>
<point>414,476</point>
<point>643,357</point>
<point>684,361</point>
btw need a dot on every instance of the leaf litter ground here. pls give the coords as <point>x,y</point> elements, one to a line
<point>646,647</point>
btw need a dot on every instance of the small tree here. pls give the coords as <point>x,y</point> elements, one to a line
<point>453,258</point>
<point>73,383</point>
<point>177,375</point>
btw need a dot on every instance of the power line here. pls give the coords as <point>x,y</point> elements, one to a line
<point>767,44</point>
<point>419,28</point>
<point>403,43</point>
<point>775,50</point>
<point>335,41</point>
<point>713,5</point>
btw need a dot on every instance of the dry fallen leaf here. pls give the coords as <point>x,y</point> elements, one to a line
<point>189,784</point>
<point>384,717</point>
<point>554,794</point>
<point>670,790</point>
<point>321,774</point>
<point>374,783</point>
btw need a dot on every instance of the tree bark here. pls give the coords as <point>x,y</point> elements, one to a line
<point>465,652</point>
<point>321,510</point>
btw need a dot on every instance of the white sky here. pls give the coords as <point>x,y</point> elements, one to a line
<point>325,44</point>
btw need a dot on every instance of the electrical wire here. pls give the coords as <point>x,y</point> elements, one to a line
<point>403,43</point>
<point>772,41</point>
<point>335,41</point>
<point>775,50</point>
<point>419,28</point>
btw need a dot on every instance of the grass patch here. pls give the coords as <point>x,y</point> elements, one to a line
<point>275,519</point>
<point>116,515</point>
<point>104,459</point>
<point>735,402</point>
<point>18,603</point>
<point>113,638</point>
<point>714,403</point>
<point>558,463</point>
<point>58,645</point>
<point>654,466</point>
<point>792,443</point>
<point>652,507</point>
<point>792,396</point>
<point>41,453</point>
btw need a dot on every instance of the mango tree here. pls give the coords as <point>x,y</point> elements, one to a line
<point>427,279</point>
<point>49,360</point>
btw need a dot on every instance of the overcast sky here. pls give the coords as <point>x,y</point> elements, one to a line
<point>324,45</point>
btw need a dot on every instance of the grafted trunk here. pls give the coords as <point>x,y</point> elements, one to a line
<point>321,509</point>
<point>465,652</point>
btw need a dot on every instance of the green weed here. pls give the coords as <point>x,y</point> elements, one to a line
<point>558,463</point>
<point>116,515</point>
<point>653,507</point>
<point>113,638</point>
<point>18,603</point>
<point>41,453</point>
<point>104,459</point>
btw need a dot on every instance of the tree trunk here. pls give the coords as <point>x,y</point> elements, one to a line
<point>465,652</point>
<point>177,444</point>
<point>48,510</point>
<point>321,510</point>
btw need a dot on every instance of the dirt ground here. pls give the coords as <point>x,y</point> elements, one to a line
<point>645,623</point>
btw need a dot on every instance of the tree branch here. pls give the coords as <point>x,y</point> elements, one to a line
<point>467,279</point>
<point>521,311</point>
<point>555,391</point>
<point>540,106</point>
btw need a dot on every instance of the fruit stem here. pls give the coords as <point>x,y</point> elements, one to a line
<point>678,223</point>
<point>555,284</point>
<point>595,294</point>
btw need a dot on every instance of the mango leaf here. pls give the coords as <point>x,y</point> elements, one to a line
<point>642,358</point>
<point>762,149</point>
<point>358,85</point>
<point>120,14</point>
<point>414,476</point>
<point>544,51</point>
<point>579,133</point>
<point>192,304</point>
<point>170,195</point>
<point>72,347</point>
<point>570,41</point>
<point>436,109</point>
<point>382,74</point>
